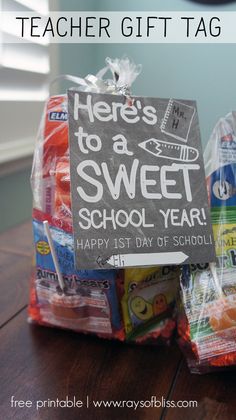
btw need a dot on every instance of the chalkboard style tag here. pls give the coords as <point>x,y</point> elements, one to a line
<point>137,182</point>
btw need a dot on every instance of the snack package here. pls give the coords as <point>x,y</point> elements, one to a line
<point>148,303</point>
<point>207,324</point>
<point>90,300</point>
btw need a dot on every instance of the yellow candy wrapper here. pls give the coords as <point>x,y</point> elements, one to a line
<point>148,303</point>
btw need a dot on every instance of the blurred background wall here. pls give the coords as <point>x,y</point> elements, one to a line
<point>202,72</point>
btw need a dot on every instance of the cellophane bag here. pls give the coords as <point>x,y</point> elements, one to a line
<point>136,305</point>
<point>207,320</point>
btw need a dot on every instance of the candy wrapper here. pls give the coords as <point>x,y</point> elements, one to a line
<point>148,303</point>
<point>207,324</point>
<point>88,301</point>
<point>102,302</point>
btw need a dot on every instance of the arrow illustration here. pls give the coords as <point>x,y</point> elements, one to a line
<point>139,260</point>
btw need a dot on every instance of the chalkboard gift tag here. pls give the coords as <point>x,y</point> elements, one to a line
<point>137,182</point>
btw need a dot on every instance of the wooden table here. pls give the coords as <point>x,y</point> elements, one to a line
<point>39,363</point>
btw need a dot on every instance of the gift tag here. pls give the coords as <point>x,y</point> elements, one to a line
<point>137,182</point>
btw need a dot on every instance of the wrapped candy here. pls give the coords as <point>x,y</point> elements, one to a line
<point>87,301</point>
<point>207,321</point>
<point>148,303</point>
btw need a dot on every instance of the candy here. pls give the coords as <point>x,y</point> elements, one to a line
<point>89,301</point>
<point>148,303</point>
<point>207,319</point>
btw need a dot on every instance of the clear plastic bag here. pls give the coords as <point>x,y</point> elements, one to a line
<point>207,319</point>
<point>91,299</point>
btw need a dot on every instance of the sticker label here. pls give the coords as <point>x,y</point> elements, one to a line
<point>58,116</point>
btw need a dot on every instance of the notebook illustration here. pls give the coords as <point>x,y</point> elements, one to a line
<point>177,120</point>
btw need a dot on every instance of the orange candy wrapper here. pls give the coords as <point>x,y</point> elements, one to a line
<point>207,319</point>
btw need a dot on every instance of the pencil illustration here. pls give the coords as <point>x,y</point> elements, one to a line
<point>142,260</point>
<point>167,150</point>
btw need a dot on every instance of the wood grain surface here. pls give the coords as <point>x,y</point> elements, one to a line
<point>214,392</point>
<point>14,284</point>
<point>40,363</point>
<point>18,240</point>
